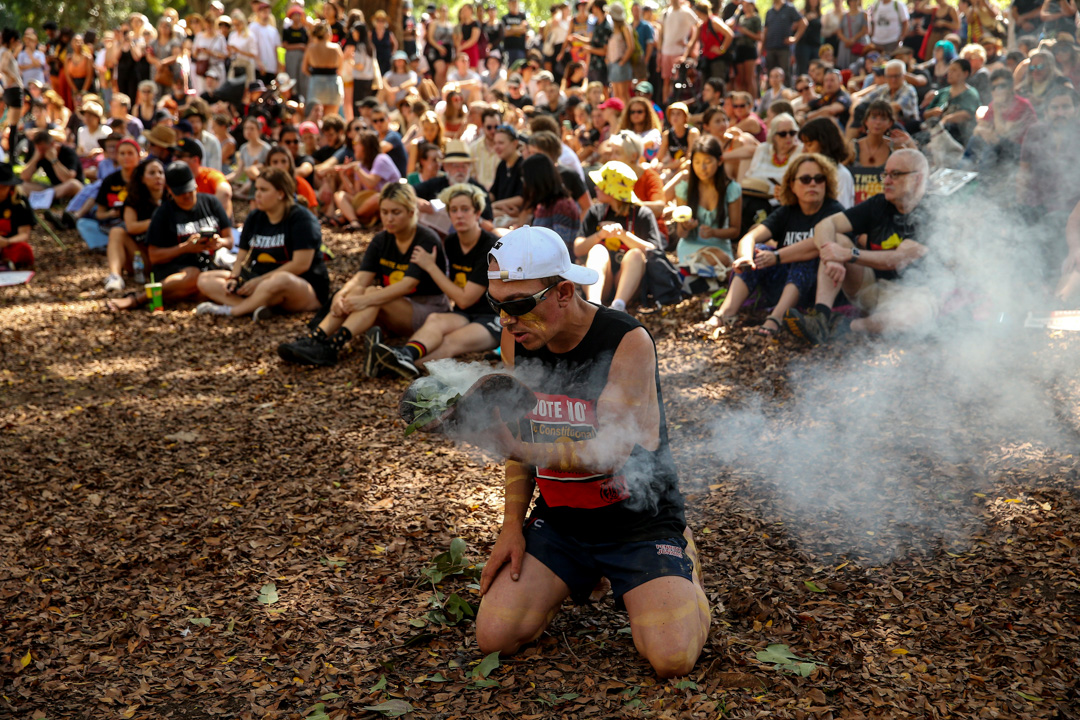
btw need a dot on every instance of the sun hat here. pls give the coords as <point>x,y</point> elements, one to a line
<point>457,151</point>
<point>532,253</point>
<point>617,12</point>
<point>308,128</point>
<point>679,106</point>
<point>617,180</point>
<point>162,136</point>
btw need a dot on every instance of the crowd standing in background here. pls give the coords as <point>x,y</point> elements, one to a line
<point>785,158</point>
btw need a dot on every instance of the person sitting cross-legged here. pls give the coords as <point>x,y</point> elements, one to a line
<point>896,224</point>
<point>617,234</point>
<point>807,196</point>
<point>279,264</point>
<point>472,326</point>
<point>390,290</point>
<point>16,220</point>
<point>142,197</point>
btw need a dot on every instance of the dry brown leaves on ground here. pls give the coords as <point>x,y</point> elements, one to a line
<point>191,529</point>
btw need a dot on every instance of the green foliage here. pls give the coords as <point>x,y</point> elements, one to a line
<point>782,659</point>
<point>449,609</point>
<point>432,403</point>
<point>81,15</point>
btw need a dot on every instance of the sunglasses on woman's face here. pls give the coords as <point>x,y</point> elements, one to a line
<point>519,306</point>
<point>811,179</point>
<point>786,133</point>
<point>1039,66</point>
<point>739,106</point>
<point>637,112</point>
<point>804,88</point>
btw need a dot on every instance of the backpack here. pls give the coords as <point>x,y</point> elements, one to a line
<point>639,52</point>
<point>662,282</point>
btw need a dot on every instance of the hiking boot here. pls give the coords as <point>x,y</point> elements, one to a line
<point>372,339</point>
<point>812,327</point>
<point>313,349</point>
<point>399,361</point>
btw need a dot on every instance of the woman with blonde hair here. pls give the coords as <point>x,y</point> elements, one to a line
<point>472,326</point>
<point>208,50</point>
<point>640,118</point>
<point>278,263</point>
<point>391,291</point>
<point>779,254</point>
<point>431,131</point>
<point>322,63</point>
<point>243,48</point>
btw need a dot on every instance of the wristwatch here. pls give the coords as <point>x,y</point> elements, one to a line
<point>855,253</point>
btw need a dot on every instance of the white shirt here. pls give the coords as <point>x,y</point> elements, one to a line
<point>211,150</point>
<point>485,162</point>
<point>568,158</point>
<point>845,186</point>
<point>87,143</point>
<point>246,44</point>
<point>38,73</point>
<point>267,38</point>
<point>888,20</point>
<point>678,24</point>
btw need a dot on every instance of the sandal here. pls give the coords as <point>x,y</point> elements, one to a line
<point>765,331</point>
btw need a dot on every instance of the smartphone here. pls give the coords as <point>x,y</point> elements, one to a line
<point>207,235</point>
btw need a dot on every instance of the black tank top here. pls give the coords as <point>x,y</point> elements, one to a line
<point>639,502</point>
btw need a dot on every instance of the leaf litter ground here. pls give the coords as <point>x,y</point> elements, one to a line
<point>191,529</point>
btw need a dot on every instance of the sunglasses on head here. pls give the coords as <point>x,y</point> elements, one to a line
<point>786,133</point>
<point>811,179</point>
<point>520,306</point>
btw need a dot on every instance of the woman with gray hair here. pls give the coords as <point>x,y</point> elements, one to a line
<point>771,158</point>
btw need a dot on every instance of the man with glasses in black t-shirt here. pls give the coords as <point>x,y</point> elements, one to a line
<point>895,224</point>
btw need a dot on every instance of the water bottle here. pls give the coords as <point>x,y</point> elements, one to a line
<point>139,268</point>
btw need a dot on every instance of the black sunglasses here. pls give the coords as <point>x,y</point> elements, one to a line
<point>739,106</point>
<point>520,306</point>
<point>808,179</point>
<point>786,133</point>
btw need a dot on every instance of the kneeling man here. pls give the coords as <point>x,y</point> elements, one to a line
<point>596,447</point>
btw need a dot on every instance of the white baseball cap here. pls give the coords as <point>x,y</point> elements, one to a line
<point>532,253</point>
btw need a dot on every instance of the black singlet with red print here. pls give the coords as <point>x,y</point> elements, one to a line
<point>641,501</point>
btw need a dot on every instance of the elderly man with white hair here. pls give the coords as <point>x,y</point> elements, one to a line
<point>896,225</point>
<point>896,91</point>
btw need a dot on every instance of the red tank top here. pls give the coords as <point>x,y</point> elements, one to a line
<point>710,41</point>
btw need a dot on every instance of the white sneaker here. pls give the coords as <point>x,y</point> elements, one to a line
<point>114,284</point>
<point>211,308</point>
<point>225,258</point>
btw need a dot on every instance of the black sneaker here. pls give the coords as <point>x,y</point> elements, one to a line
<point>373,339</point>
<point>399,361</point>
<point>69,220</point>
<point>309,350</point>
<point>812,328</point>
<point>57,223</point>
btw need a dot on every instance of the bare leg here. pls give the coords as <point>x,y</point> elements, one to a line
<point>631,270</point>
<point>734,300</point>
<point>471,338</point>
<point>516,612</point>
<point>669,618</point>
<point>181,285</point>
<point>435,329</point>
<point>344,204</point>
<point>120,251</point>
<point>789,298</point>
<point>600,261</point>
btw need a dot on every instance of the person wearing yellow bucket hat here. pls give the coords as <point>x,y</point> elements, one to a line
<point>617,235</point>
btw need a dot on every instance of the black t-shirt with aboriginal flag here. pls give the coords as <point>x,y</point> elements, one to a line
<point>171,226</point>
<point>886,227</point>
<point>16,214</point>
<point>390,265</point>
<point>470,267</point>
<point>274,244</point>
<point>112,194</point>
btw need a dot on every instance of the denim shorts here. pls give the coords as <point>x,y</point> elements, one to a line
<point>325,89</point>
<point>620,73</point>
<point>626,564</point>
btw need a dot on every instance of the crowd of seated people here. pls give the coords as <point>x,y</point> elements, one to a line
<point>776,175</point>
